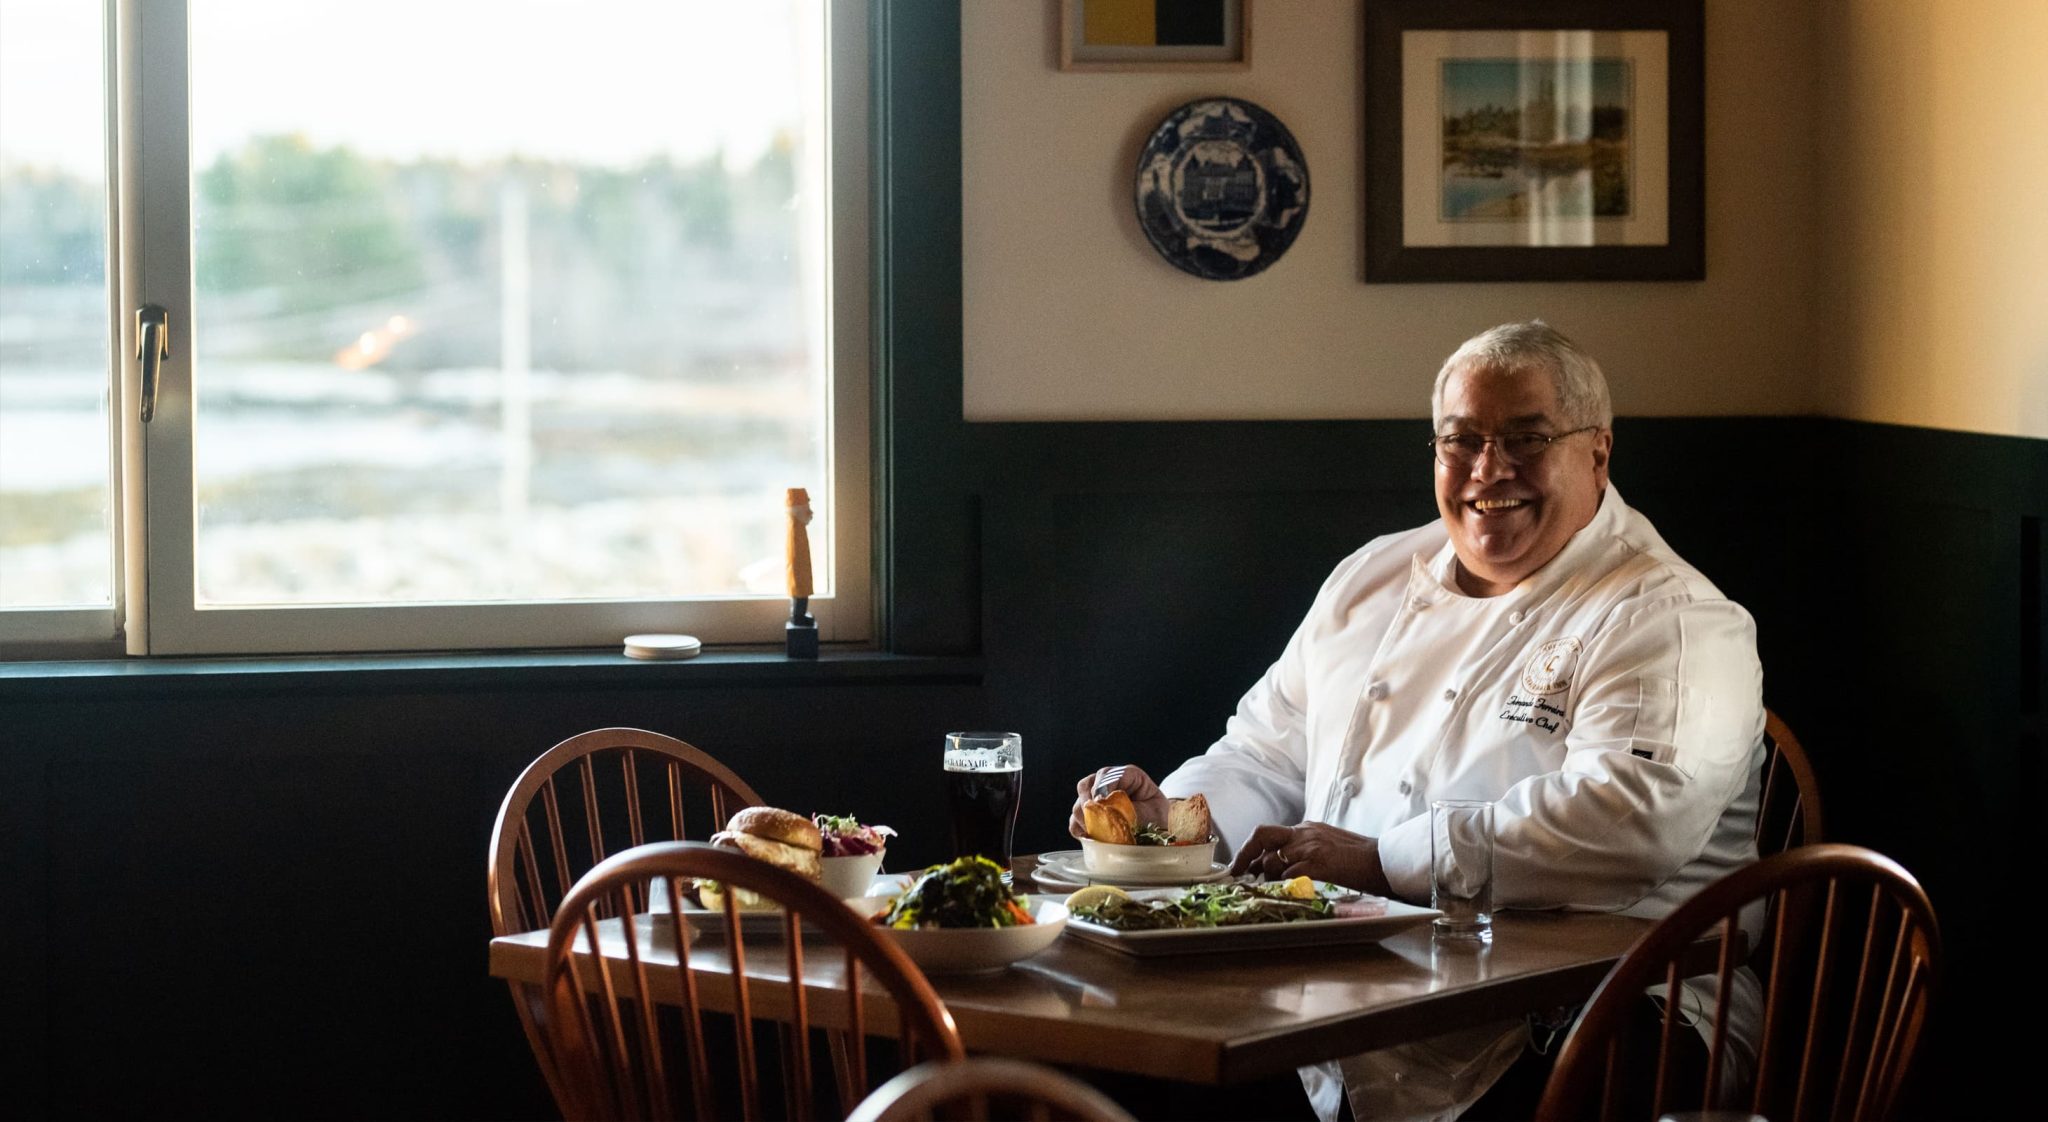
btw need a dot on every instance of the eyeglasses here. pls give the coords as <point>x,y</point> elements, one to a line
<point>1460,450</point>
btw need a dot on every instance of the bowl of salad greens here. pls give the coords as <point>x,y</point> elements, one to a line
<point>960,917</point>
<point>852,853</point>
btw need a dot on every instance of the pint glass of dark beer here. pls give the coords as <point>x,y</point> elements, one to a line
<point>984,784</point>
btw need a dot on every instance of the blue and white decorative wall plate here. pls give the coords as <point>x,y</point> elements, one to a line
<point>1222,189</point>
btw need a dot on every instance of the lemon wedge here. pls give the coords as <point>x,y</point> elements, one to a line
<point>1300,888</point>
<point>1096,895</point>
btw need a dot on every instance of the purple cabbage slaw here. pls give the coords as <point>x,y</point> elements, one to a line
<point>844,836</point>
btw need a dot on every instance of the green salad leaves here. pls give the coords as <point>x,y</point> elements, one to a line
<point>1209,905</point>
<point>968,892</point>
<point>1153,834</point>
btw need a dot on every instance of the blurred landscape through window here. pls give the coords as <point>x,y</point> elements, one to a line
<point>507,301</point>
<point>56,494</point>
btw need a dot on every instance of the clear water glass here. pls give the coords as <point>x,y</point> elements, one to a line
<point>1461,868</point>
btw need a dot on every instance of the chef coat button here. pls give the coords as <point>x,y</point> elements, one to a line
<point>1515,617</point>
<point>1450,695</point>
<point>1350,788</point>
<point>1377,691</point>
<point>1406,787</point>
<point>1419,604</point>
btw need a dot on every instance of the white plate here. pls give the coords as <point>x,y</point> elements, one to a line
<point>1251,936</point>
<point>1063,869</point>
<point>754,920</point>
<point>973,950</point>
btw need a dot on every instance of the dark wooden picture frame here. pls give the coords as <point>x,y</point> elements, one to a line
<point>1393,170</point>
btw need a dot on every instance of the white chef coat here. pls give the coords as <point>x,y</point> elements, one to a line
<point>1610,706</point>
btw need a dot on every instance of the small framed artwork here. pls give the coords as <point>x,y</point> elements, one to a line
<point>1155,34</point>
<point>1549,140</point>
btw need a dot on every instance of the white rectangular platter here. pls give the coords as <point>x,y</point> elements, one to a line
<point>1251,936</point>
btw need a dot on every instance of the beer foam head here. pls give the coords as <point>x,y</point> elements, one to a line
<point>968,751</point>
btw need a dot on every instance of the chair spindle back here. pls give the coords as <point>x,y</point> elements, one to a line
<point>1789,808</point>
<point>1851,960</point>
<point>595,793</point>
<point>627,1046</point>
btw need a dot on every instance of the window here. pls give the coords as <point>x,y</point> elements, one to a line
<point>490,324</point>
<point>57,510</point>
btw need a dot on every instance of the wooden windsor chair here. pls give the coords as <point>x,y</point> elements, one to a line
<point>1825,1052</point>
<point>986,1088</point>
<point>1789,808</point>
<point>619,1056</point>
<point>584,798</point>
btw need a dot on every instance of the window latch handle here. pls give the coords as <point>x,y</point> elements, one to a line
<point>152,347</point>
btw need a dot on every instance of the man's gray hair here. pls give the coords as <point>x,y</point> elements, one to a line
<point>1535,345</point>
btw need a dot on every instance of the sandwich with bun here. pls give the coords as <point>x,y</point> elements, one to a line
<point>782,838</point>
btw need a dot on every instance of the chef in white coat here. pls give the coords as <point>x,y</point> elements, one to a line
<point>1538,646</point>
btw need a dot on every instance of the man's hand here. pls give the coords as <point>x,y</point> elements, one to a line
<point>1146,797</point>
<point>1317,850</point>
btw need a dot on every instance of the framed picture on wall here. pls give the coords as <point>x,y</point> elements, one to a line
<point>1550,140</point>
<point>1155,34</point>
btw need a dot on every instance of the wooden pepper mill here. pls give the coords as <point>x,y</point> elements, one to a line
<point>800,634</point>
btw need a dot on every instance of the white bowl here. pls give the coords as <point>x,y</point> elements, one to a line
<point>963,950</point>
<point>849,876</point>
<point>1152,862</point>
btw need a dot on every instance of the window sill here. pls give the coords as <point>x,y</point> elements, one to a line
<point>473,670</point>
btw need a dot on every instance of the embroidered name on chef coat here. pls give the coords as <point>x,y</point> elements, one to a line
<point>1536,711</point>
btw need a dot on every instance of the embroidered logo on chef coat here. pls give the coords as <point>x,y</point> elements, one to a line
<point>1551,670</point>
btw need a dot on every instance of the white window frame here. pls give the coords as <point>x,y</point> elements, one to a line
<point>156,611</point>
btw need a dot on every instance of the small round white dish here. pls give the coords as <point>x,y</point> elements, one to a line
<point>849,876</point>
<point>1153,862</point>
<point>973,950</point>
<point>655,646</point>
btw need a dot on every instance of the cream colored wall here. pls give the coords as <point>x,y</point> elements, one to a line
<point>1934,306</point>
<point>1070,314</point>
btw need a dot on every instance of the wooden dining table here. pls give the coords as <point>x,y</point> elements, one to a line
<point>1201,1018</point>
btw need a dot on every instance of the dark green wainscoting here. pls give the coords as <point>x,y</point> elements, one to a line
<point>259,891</point>
<point>1136,578</point>
<point>261,894</point>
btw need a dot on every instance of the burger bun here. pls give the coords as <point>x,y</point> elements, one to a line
<point>776,824</point>
<point>781,838</point>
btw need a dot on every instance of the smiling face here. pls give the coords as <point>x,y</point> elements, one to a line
<point>1508,520</point>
